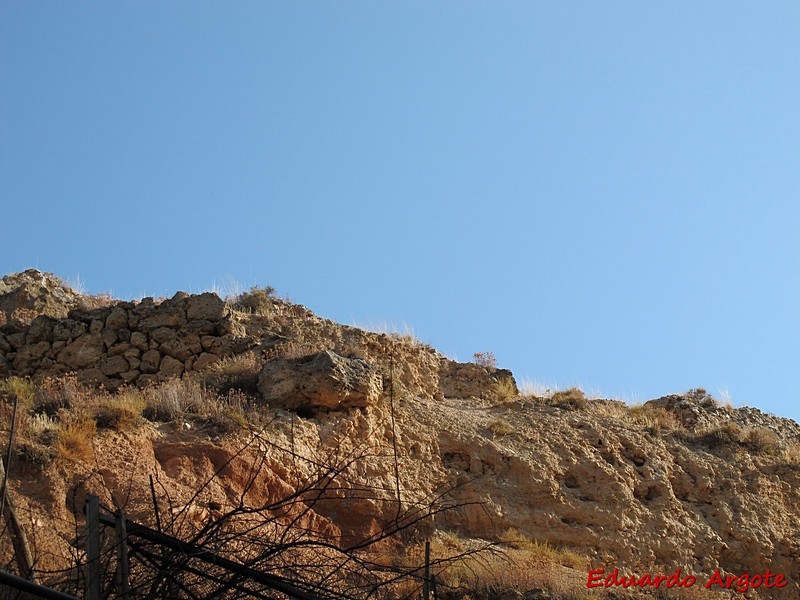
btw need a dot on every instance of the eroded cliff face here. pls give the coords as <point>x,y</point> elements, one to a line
<point>680,483</point>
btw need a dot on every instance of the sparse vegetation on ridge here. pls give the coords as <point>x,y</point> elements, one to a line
<point>654,418</point>
<point>485,359</point>
<point>258,300</point>
<point>573,398</point>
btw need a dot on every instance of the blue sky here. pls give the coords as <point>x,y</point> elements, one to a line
<point>602,194</point>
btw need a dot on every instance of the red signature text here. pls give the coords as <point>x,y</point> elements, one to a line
<point>741,583</point>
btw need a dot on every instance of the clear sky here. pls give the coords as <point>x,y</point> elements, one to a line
<point>603,194</point>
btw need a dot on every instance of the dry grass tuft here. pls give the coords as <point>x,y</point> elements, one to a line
<point>542,552</point>
<point>238,373</point>
<point>122,411</point>
<point>74,441</point>
<point>654,418</point>
<point>513,568</point>
<point>17,387</point>
<point>176,399</point>
<point>188,400</point>
<point>500,428</point>
<point>504,390</point>
<point>615,409</point>
<point>573,398</point>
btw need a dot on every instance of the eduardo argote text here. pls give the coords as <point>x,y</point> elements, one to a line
<point>738,583</point>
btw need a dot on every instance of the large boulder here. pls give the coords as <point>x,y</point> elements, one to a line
<point>470,380</point>
<point>206,307</point>
<point>324,380</point>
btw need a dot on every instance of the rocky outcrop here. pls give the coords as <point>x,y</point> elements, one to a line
<point>698,412</point>
<point>320,381</point>
<point>470,380</point>
<point>24,296</point>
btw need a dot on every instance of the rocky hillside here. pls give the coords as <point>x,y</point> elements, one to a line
<point>244,400</point>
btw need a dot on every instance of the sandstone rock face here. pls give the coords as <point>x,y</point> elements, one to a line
<point>324,380</point>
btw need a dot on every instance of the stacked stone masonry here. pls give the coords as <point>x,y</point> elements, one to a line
<point>126,343</point>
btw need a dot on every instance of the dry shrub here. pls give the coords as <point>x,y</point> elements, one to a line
<point>74,441</point>
<point>654,418</point>
<point>258,300</point>
<point>239,373</point>
<point>485,359</point>
<point>728,434</point>
<point>761,440</point>
<point>500,428</point>
<point>792,453</point>
<point>54,394</point>
<point>188,400</point>
<point>573,398</point>
<point>21,390</point>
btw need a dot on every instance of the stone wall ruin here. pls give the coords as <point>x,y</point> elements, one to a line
<point>126,343</point>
